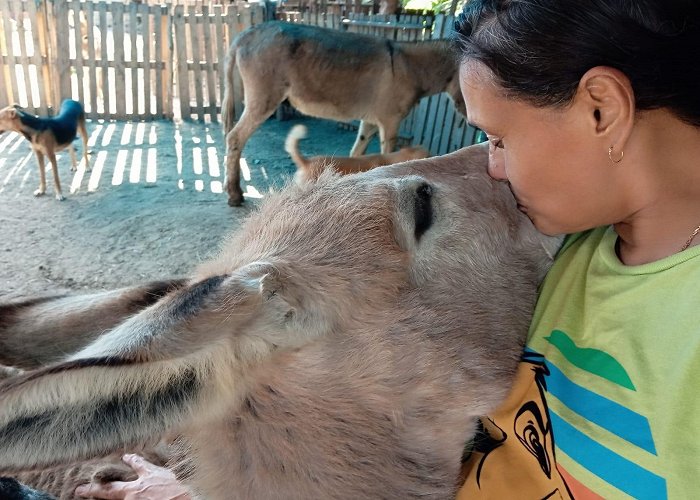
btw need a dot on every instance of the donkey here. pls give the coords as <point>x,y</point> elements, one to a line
<point>342,345</point>
<point>330,74</point>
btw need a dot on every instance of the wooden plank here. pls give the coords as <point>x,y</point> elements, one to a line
<point>181,61</point>
<point>75,9</point>
<point>63,65</point>
<point>457,140</point>
<point>119,63</point>
<point>4,67</point>
<point>159,55</point>
<point>222,44</point>
<point>144,11</point>
<point>439,123</point>
<point>166,52</point>
<point>49,13</point>
<point>209,41</point>
<point>23,51</point>
<point>194,21</point>
<point>92,67</point>
<point>447,124</point>
<point>136,94</point>
<point>104,62</point>
<point>38,58</point>
<point>10,61</point>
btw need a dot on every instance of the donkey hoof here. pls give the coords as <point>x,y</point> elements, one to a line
<point>39,192</point>
<point>60,197</point>
<point>235,200</point>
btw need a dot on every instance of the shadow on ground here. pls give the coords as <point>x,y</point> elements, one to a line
<point>152,206</point>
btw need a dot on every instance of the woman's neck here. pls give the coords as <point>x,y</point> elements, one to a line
<point>666,210</point>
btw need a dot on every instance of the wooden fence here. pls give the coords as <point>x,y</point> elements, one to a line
<point>122,60</point>
<point>142,61</point>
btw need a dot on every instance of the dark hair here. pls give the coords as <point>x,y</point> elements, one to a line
<point>539,49</point>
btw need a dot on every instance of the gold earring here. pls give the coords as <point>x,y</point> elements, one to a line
<point>610,152</point>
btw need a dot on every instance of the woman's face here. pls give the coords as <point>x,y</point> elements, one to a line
<point>557,168</point>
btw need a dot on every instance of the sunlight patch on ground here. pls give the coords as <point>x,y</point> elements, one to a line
<point>251,192</point>
<point>135,174</point>
<point>213,159</point>
<point>151,165</point>
<point>96,171</point>
<point>18,167</point>
<point>245,170</point>
<point>119,167</point>
<point>141,154</point>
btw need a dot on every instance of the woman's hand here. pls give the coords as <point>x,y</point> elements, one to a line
<point>153,483</point>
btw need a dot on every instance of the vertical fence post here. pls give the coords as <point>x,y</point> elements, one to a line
<point>180,57</point>
<point>62,54</point>
<point>10,71</point>
<point>166,60</point>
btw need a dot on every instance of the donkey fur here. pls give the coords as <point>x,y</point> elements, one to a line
<point>342,345</point>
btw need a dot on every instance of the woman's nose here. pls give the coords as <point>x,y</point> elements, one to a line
<point>497,164</point>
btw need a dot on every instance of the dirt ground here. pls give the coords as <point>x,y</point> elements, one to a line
<point>151,208</point>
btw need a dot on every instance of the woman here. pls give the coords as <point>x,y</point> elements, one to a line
<point>592,109</point>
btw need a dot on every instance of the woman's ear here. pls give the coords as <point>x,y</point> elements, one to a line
<point>609,99</point>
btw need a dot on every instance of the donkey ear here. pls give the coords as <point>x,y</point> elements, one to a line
<point>192,317</point>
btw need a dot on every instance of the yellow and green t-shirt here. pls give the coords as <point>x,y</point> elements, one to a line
<point>606,401</point>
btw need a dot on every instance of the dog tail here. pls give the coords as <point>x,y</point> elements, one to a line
<point>228,108</point>
<point>291,146</point>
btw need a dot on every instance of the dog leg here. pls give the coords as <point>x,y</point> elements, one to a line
<point>74,163</point>
<point>42,173</point>
<point>56,181</point>
<point>83,133</point>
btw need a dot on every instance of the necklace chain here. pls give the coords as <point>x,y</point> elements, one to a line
<point>690,238</point>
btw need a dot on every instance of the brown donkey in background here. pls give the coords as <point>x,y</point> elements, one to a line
<point>330,74</point>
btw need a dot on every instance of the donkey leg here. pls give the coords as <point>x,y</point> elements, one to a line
<point>364,136</point>
<point>236,139</point>
<point>388,133</point>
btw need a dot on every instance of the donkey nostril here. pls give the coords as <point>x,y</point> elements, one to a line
<point>424,191</point>
<point>423,209</point>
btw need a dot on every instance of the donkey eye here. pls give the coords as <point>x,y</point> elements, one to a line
<point>423,209</point>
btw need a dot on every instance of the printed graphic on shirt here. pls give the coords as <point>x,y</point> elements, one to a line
<point>515,453</point>
<point>594,455</point>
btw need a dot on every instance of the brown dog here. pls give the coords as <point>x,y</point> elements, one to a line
<point>308,169</point>
<point>48,136</point>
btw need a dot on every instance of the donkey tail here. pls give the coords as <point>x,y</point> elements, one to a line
<point>228,111</point>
